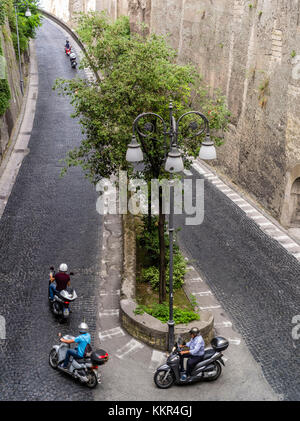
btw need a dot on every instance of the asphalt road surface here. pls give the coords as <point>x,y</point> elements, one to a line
<point>48,220</point>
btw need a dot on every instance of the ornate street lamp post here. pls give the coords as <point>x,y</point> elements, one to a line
<point>173,164</point>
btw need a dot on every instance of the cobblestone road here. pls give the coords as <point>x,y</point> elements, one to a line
<point>48,220</point>
<point>255,280</point>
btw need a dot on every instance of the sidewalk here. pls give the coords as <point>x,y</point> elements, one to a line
<point>13,159</point>
<point>253,210</point>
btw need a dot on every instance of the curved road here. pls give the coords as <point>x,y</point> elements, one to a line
<point>255,279</point>
<point>48,220</point>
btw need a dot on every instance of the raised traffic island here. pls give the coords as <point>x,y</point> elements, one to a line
<point>145,327</point>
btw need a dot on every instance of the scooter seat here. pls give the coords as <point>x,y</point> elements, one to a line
<point>208,354</point>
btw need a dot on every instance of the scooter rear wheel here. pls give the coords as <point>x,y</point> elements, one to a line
<point>93,381</point>
<point>161,382</point>
<point>215,374</point>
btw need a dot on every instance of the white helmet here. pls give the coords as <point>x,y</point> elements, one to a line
<point>83,328</point>
<point>63,268</point>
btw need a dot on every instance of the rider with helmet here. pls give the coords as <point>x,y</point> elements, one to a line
<point>82,340</point>
<point>67,46</point>
<point>195,353</point>
<point>62,280</point>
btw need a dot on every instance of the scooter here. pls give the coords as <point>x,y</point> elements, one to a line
<point>208,369</point>
<point>73,60</point>
<point>60,304</point>
<point>83,369</point>
<point>68,51</point>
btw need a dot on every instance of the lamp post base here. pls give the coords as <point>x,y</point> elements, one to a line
<point>171,337</point>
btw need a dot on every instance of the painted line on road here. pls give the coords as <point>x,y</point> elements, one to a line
<point>106,294</point>
<point>187,173</point>
<point>202,294</point>
<point>223,324</point>
<point>194,280</point>
<point>234,341</point>
<point>209,307</point>
<point>157,359</point>
<point>131,347</point>
<point>109,313</point>
<point>290,245</point>
<point>109,334</point>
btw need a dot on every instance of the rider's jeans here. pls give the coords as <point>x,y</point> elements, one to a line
<point>52,288</point>
<point>70,352</point>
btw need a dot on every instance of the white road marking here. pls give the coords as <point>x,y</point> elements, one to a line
<point>131,347</point>
<point>234,341</point>
<point>290,245</point>
<point>265,224</point>
<point>105,294</point>
<point>225,190</point>
<point>281,238</point>
<point>108,334</point>
<point>297,255</point>
<point>187,173</point>
<point>109,313</point>
<point>223,324</point>
<point>202,294</point>
<point>194,280</point>
<point>199,169</point>
<point>245,205</point>
<point>157,359</point>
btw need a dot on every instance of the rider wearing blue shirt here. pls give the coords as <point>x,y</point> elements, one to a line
<point>196,350</point>
<point>82,340</point>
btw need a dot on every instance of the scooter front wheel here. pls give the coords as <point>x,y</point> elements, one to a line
<point>53,359</point>
<point>162,381</point>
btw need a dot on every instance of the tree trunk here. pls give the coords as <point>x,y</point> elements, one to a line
<point>162,252</point>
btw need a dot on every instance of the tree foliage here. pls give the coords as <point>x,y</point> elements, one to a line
<point>138,74</point>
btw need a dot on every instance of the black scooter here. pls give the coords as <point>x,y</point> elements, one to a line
<point>208,369</point>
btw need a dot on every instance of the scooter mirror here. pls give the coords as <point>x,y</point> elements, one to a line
<point>72,273</point>
<point>51,268</point>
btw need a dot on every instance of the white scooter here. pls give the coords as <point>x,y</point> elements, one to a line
<point>83,369</point>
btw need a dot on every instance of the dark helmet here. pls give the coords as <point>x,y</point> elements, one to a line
<point>194,331</point>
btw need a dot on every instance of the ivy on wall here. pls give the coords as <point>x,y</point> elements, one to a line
<point>4,91</point>
<point>27,29</point>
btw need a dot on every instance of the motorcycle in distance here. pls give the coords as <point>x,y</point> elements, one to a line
<point>73,60</point>
<point>83,369</point>
<point>60,304</point>
<point>68,51</point>
<point>208,369</point>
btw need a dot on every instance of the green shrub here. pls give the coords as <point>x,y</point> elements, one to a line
<point>151,274</point>
<point>161,312</point>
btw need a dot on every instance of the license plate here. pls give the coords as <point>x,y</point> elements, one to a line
<point>66,311</point>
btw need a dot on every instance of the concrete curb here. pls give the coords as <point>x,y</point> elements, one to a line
<point>143,326</point>
<point>18,147</point>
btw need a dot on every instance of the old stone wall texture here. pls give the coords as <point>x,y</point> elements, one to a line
<point>250,51</point>
<point>7,122</point>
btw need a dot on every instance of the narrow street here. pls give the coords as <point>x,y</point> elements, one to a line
<point>48,220</point>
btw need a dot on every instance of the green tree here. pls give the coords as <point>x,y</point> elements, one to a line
<point>136,74</point>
